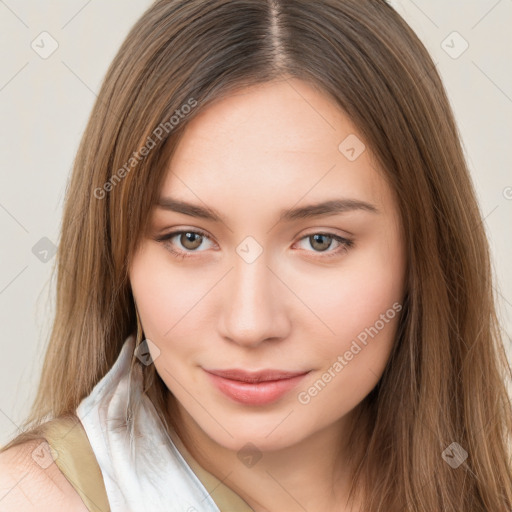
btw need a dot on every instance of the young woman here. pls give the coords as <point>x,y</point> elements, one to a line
<point>274,290</point>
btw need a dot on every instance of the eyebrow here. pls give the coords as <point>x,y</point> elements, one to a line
<point>330,207</point>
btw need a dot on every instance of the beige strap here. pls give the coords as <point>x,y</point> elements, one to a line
<point>224,497</point>
<point>76,459</point>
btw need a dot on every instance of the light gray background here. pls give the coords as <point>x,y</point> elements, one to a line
<point>45,104</point>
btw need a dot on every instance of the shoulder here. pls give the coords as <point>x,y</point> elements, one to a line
<point>30,481</point>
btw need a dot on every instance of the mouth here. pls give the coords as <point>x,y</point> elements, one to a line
<point>255,388</point>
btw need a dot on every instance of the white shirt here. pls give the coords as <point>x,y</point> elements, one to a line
<point>146,473</point>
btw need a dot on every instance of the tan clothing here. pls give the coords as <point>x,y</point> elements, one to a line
<point>76,460</point>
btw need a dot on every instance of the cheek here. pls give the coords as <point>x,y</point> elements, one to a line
<point>351,363</point>
<point>162,308</point>
<point>174,310</point>
<point>353,298</point>
<point>165,296</point>
<point>361,304</point>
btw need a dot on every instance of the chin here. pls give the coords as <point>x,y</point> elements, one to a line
<point>265,436</point>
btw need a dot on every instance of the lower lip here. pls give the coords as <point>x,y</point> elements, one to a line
<point>252,393</point>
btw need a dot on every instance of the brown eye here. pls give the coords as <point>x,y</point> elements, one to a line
<point>320,242</point>
<point>183,243</point>
<point>190,240</point>
<point>323,242</point>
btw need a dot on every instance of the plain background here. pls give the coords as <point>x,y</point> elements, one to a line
<point>45,104</point>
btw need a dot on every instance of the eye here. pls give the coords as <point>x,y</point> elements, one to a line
<point>322,242</point>
<point>189,239</point>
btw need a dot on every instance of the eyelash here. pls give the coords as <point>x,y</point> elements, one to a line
<point>346,244</point>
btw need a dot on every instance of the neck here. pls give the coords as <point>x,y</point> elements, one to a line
<point>320,479</point>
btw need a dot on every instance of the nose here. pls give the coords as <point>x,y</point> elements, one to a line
<point>253,305</point>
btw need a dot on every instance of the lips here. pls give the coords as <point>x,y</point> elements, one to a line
<point>255,388</point>
<point>259,376</point>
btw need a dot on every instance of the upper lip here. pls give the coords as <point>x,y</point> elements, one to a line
<point>257,376</point>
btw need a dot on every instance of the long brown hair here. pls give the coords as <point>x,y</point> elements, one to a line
<point>446,378</point>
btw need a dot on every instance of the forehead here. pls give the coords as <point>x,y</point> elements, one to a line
<point>273,144</point>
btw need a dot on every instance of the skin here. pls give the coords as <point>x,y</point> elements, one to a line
<point>248,156</point>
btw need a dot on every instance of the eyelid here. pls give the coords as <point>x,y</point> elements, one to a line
<point>166,237</point>
<point>345,243</point>
<point>326,231</point>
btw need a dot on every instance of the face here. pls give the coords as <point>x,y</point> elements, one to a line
<point>302,302</point>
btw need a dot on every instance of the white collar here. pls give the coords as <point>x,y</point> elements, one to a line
<point>146,473</point>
